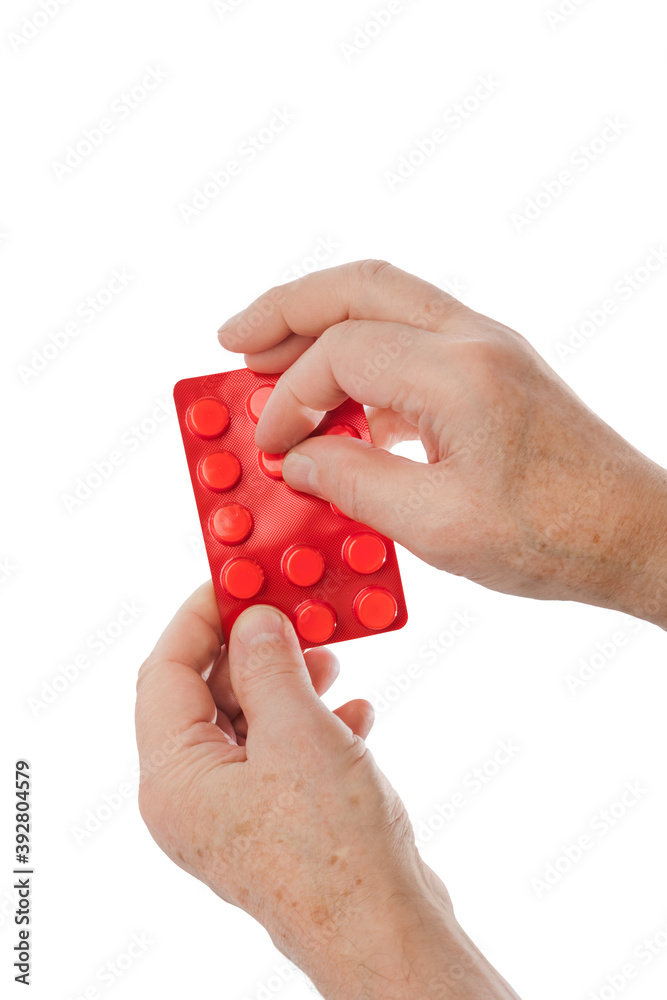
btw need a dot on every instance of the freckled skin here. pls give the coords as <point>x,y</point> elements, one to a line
<point>292,821</point>
<point>524,489</point>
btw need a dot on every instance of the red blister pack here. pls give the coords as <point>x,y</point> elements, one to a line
<point>266,543</point>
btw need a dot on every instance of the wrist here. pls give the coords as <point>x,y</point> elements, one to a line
<point>406,946</point>
<point>632,567</point>
<point>605,542</point>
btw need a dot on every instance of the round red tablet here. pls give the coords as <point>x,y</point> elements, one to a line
<point>257,400</point>
<point>315,621</point>
<point>303,565</point>
<point>375,607</point>
<point>272,465</point>
<point>208,417</point>
<point>343,430</point>
<point>364,553</point>
<point>242,578</point>
<point>220,470</point>
<point>231,524</point>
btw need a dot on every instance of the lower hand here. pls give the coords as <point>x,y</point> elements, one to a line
<point>252,785</point>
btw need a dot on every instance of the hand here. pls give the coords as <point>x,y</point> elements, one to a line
<point>252,785</point>
<point>526,490</point>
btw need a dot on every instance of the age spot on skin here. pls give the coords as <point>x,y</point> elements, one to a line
<point>333,859</point>
<point>243,828</point>
<point>269,777</point>
<point>354,800</point>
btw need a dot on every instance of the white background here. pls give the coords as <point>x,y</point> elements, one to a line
<point>134,538</point>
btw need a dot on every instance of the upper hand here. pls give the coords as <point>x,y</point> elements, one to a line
<point>526,490</point>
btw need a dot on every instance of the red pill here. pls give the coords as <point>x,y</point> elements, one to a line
<point>315,621</point>
<point>231,524</point>
<point>208,417</point>
<point>343,430</point>
<point>220,470</point>
<point>364,553</point>
<point>242,578</point>
<point>271,465</point>
<point>257,400</point>
<point>303,565</point>
<point>375,607</point>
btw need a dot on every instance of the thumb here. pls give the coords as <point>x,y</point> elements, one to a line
<point>387,492</point>
<point>269,675</point>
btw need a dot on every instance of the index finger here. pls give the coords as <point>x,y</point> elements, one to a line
<point>336,368</point>
<point>367,289</point>
<point>172,695</point>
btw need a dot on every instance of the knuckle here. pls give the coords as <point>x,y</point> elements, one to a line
<point>264,664</point>
<point>371,269</point>
<point>440,313</point>
<point>335,337</point>
<point>357,751</point>
<point>349,478</point>
<point>491,352</point>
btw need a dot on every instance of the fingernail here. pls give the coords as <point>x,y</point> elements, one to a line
<point>299,471</point>
<point>229,322</point>
<point>259,624</point>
